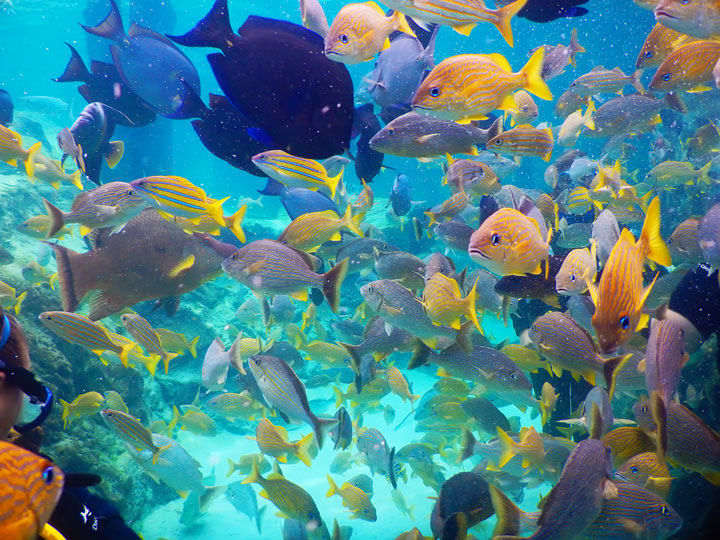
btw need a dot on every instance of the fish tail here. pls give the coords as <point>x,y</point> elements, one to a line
<point>575,47</point>
<point>635,81</point>
<point>333,182</point>
<point>72,276</point>
<point>391,468</point>
<point>354,355</point>
<point>175,419</point>
<point>213,30</point>
<point>464,337</point>
<point>125,350</point>
<point>611,367</point>
<point>29,159</point>
<point>19,301</point>
<point>151,364</point>
<point>431,215</point>
<point>532,75</point>
<point>254,476</point>
<point>331,283</point>
<point>339,397</point>
<point>166,360</point>
<point>420,355</point>
<point>75,71</point>
<point>351,222</point>
<point>208,496</point>
<point>400,24</point>
<point>504,18</point>
<point>215,211</point>
<point>320,427</point>
<point>467,446</point>
<point>703,174</point>
<point>111,27</point>
<point>76,179</point>
<point>65,412</point>
<point>507,513</point>
<point>333,487</point>
<point>231,468</point>
<point>650,241</point>
<point>56,221</point>
<point>470,309</point>
<point>507,446</point>
<point>659,414</point>
<point>235,223</point>
<point>193,345</point>
<point>302,449</point>
<point>588,116</point>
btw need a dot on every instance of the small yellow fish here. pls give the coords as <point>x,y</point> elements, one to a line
<point>37,275</point>
<point>399,386</point>
<point>530,447</point>
<point>444,304</point>
<point>309,231</point>
<point>525,110</point>
<point>508,243</point>
<point>83,405</point>
<point>176,342</point>
<point>232,406</point>
<point>468,86</point>
<point>577,265</point>
<point>360,31</point>
<point>53,173</point>
<point>620,295</point>
<point>11,150</point>
<point>294,171</point>
<point>669,174</point>
<point>207,224</point>
<point>273,441</point>
<point>365,199</point>
<point>244,464</point>
<point>354,498</point>
<point>689,68</point>
<point>549,209</point>
<point>449,208</point>
<point>193,421</point>
<point>548,400</point>
<point>114,401</point>
<point>574,124</point>
<point>37,227</point>
<point>526,359</point>
<point>9,298</point>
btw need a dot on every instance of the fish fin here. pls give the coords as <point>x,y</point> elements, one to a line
<point>464,29</point>
<point>659,414</point>
<point>235,223</point>
<point>29,160</point>
<point>592,289</point>
<point>507,446</point>
<point>333,182</point>
<point>76,179</point>
<point>503,18</point>
<point>213,30</point>
<point>215,211</point>
<point>114,154</point>
<point>75,71</point>
<point>699,88</point>
<point>12,162</point>
<point>159,452</point>
<point>470,309</point>
<point>333,487</point>
<point>303,449</point>
<point>254,475</point>
<point>320,427</point>
<point>467,446</point>
<point>506,512</point>
<point>332,281</point>
<point>532,72</point>
<point>193,345</point>
<point>611,367</point>
<point>111,27</point>
<point>507,103</point>
<point>56,219</point>
<point>85,230</point>
<point>650,240</point>
<point>183,265</point>
<point>166,358</point>
<point>610,490</point>
<point>352,222</point>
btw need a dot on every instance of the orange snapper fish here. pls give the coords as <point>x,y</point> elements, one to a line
<point>509,243</point>
<point>468,86</point>
<point>360,31</point>
<point>460,15</point>
<point>523,140</point>
<point>661,41</point>
<point>698,18</point>
<point>688,68</point>
<point>619,297</point>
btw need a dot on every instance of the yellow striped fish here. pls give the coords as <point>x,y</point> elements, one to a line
<point>177,196</point>
<point>444,304</point>
<point>365,200</point>
<point>580,202</point>
<point>620,296</point>
<point>468,86</point>
<point>130,429</point>
<point>579,263</point>
<point>145,335</point>
<point>509,243</point>
<point>523,140</point>
<point>525,111</point>
<point>661,41</point>
<point>548,208</point>
<point>135,356</point>
<point>309,231</point>
<point>207,224</point>
<point>360,31</point>
<point>30,487</point>
<point>354,498</point>
<point>11,150</point>
<point>78,329</point>
<point>460,15</point>
<point>602,81</point>
<point>294,171</point>
<point>688,68</point>
<point>449,208</point>
<point>273,441</point>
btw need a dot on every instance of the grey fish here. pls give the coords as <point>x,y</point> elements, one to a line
<point>582,167</point>
<point>664,287</point>
<point>401,266</point>
<point>243,498</point>
<point>349,330</point>
<point>709,236</point>
<point>455,234</point>
<point>629,113</point>
<point>439,263</point>
<point>364,482</point>
<point>501,166</point>
<point>568,103</point>
<point>423,466</point>
<point>378,342</point>
<point>399,69</point>
<point>313,17</point>
<point>597,416</point>
<point>380,457</point>
<point>487,415</point>
<point>466,494</point>
<point>558,57</point>
<point>486,298</point>
<point>360,253</point>
<point>401,308</point>
<point>282,310</point>
<point>577,498</point>
<point>574,235</point>
<point>420,136</point>
<point>400,195</point>
<point>217,361</point>
<point>606,232</point>
<point>249,312</point>
<point>283,390</point>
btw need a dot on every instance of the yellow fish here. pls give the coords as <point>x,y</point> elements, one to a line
<point>10,299</point>
<point>52,172</point>
<point>83,405</point>
<point>360,31</point>
<point>273,441</point>
<point>399,386</point>
<point>354,498</point>
<point>309,231</point>
<point>688,68</point>
<point>444,304</point>
<point>468,86</point>
<point>509,243</point>
<point>294,171</point>
<point>661,41</point>
<point>525,110</point>
<point>37,227</point>
<point>577,265</point>
<point>193,421</point>
<point>11,150</point>
<point>620,296</point>
<point>449,208</point>
<point>207,224</point>
<point>523,140</point>
<point>530,447</point>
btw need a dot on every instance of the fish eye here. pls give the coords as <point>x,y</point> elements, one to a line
<point>365,511</point>
<point>624,322</point>
<point>48,475</point>
<point>498,142</point>
<point>495,239</point>
<point>669,241</point>
<point>434,91</point>
<point>664,510</point>
<point>513,375</point>
<point>643,408</point>
<point>234,256</point>
<point>572,278</point>
<point>311,516</point>
<point>684,2</point>
<point>343,38</point>
<point>634,469</point>
<point>130,193</point>
<point>667,76</point>
<point>391,131</point>
<point>608,450</point>
<point>648,54</point>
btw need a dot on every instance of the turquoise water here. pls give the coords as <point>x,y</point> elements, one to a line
<point>32,52</point>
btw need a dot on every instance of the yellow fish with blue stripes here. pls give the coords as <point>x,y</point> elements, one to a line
<point>294,171</point>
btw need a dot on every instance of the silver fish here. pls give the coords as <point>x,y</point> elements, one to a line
<point>243,498</point>
<point>217,362</point>
<point>605,231</point>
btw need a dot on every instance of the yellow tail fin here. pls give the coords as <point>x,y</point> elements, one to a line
<point>507,446</point>
<point>350,222</point>
<point>65,412</point>
<point>19,301</point>
<point>332,183</point>
<point>193,345</point>
<point>532,72</point>
<point>471,312</point>
<point>400,24</point>
<point>303,449</point>
<point>650,240</point>
<point>504,18</point>
<point>30,159</point>
<point>235,223</point>
<point>75,179</point>
<point>166,360</point>
<point>151,363</point>
<point>333,489</point>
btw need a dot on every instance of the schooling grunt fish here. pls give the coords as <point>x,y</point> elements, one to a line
<point>151,259</point>
<point>11,150</point>
<point>295,171</point>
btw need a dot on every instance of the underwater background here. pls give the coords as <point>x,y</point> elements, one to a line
<point>33,51</point>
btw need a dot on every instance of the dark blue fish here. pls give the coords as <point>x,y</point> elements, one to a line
<point>543,11</point>
<point>400,196</point>
<point>103,84</point>
<point>149,63</point>
<point>88,139</point>
<point>298,201</point>
<point>276,73</point>
<point>6,108</point>
<point>368,162</point>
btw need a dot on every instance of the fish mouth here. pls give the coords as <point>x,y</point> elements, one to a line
<point>663,13</point>
<point>476,252</point>
<point>330,52</point>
